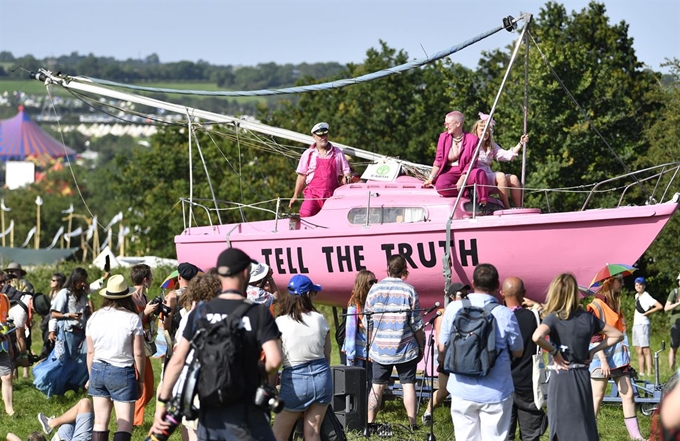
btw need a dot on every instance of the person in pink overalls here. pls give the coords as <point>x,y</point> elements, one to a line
<point>455,150</point>
<point>320,168</point>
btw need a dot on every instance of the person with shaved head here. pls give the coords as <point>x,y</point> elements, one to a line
<point>533,422</point>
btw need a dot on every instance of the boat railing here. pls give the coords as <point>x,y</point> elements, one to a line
<point>654,175</point>
<point>208,205</point>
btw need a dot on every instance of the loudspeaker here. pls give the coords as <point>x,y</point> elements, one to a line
<point>349,396</point>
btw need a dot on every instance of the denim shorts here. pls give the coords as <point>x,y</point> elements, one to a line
<point>306,384</point>
<point>117,383</point>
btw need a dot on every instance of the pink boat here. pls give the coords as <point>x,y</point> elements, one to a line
<point>405,218</point>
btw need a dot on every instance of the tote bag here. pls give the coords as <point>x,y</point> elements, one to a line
<point>539,375</point>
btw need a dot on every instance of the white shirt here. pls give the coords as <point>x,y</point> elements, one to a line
<point>646,301</point>
<point>302,342</point>
<point>19,314</point>
<point>112,332</point>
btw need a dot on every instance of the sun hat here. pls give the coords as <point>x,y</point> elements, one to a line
<point>14,266</point>
<point>116,288</point>
<point>258,271</point>
<point>300,284</point>
<point>457,287</point>
<point>41,304</point>
<point>322,127</point>
<point>640,280</point>
<point>232,261</point>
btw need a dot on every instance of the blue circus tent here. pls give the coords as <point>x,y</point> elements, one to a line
<point>21,138</point>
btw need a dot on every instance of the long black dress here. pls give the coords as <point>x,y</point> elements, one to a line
<point>571,414</point>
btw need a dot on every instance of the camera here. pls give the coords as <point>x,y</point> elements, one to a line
<point>161,308</point>
<point>266,398</point>
<point>174,417</point>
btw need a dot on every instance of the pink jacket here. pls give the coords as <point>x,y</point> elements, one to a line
<point>444,146</point>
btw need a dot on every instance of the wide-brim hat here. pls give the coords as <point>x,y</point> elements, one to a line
<point>258,271</point>
<point>14,266</point>
<point>41,304</point>
<point>116,288</point>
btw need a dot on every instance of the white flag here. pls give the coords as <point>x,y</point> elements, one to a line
<point>31,232</point>
<point>38,201</point>
<point>7,231</point>
<point>121,234</point>
<point>106,242</point>
<point>56,237</point>
<point>3,206</point>
<point>90,229</point>
<point>68,211</point>
<point>77,232</point>
<point>116,218</point>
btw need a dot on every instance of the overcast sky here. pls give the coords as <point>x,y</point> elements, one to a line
<point>249,32</point>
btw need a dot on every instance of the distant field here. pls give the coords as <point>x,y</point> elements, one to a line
<point>33,87</point>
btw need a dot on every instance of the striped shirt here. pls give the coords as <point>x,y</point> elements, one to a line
<point>396,317</point>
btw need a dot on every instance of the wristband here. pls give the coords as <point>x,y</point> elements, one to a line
<point>554,351</point>
<point>162,401</point>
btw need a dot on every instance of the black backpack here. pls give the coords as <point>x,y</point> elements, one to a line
<point>471,348</point>
<point>219,347</point>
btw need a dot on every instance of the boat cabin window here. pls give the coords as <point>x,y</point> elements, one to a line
<point>387,215</point>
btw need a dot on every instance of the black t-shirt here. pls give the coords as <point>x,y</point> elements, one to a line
<point>260,328</point>
<point>572,336</point>
<point>522,367</point>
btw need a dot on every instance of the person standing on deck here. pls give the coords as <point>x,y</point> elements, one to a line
<point>319,172</point>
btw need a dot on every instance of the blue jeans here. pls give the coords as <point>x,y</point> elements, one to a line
<point>305,384</point>
<point>117,383</point>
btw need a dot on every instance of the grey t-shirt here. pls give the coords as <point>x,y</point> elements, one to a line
<point>572,336</point>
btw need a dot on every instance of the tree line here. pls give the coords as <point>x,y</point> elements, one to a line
<point>636,114</point>
<point>151,69</point>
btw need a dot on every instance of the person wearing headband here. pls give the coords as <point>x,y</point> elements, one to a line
<point>490,151</point>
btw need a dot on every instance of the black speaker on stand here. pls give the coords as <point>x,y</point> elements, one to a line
<point>349,396</point>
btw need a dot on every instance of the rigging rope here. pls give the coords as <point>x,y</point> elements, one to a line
<point>323,86</point>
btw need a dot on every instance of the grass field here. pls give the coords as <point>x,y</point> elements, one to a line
<point>28,402</point>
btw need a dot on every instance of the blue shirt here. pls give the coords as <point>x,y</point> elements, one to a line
<point>497,385</point>
<point>396,317</point>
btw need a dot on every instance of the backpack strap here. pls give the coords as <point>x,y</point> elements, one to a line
<point>490,306</point>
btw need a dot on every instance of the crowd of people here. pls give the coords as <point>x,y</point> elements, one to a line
<point>282,329</point>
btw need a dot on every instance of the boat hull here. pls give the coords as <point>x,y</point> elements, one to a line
<point>533,246</point>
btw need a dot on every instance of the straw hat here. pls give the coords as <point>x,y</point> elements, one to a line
<point>116,288</point>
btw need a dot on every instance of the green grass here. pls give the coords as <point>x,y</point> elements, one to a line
<point>28,402</point>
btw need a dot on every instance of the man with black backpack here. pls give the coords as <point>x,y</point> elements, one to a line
<point>478,335</point>
<point>228,335</point>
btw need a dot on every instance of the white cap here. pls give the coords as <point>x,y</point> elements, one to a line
<point>258,271</point>
<point>320,126</point>
<point>678,278</point>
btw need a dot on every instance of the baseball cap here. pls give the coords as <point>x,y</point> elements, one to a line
<point>187,270</point>
<point>258,271</point>
<point>456,287</point>
<point>320,128</point>
<point>300,284</point>
<point>232,261</point>
<point>640,280</point>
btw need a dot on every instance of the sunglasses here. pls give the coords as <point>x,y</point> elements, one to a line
<point>321,132</point>
<point>372,282</point>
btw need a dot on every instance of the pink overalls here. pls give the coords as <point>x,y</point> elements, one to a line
<point>321,187</point>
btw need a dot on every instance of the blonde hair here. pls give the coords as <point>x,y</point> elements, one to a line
<point>489,141</point>
<point>563,298</point>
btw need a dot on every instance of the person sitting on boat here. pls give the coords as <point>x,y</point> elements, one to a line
<point>319,171</point>
<point>455,150</point>
<point>490,151</point>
